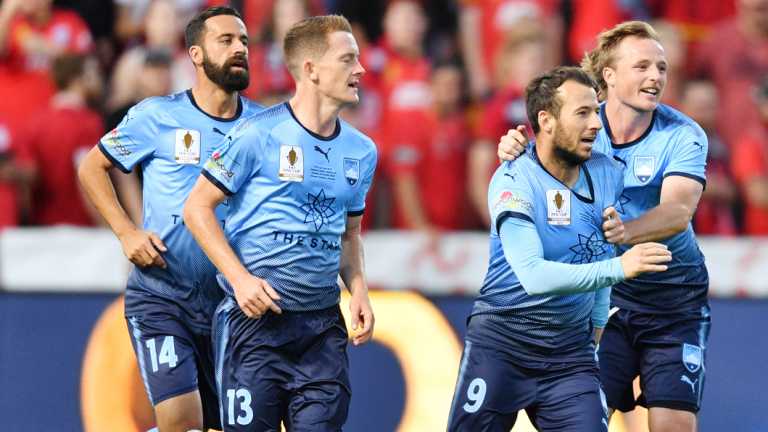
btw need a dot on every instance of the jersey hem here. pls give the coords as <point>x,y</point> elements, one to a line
<point>217,183</point>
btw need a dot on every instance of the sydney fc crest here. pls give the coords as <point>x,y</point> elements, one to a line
<point>692,357</point>
<point>643,167</point>
<point>352,170</point>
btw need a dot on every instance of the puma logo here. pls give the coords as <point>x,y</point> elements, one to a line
<point>688,381</point>
<point>324,153</point>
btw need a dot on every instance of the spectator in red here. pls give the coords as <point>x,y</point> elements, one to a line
<point>14,178</point>
<point>675,51</point>
<point>32,33</point>
<point>427,159</point>
<point>57,137</point>
<point>716,213</point>
<point>273,83</point>
<point>519,60</point>
<point>590,17</point>
<point>397,77</point>
<point>750,166</point>
<point>736,59</point>
<point>483,24</point>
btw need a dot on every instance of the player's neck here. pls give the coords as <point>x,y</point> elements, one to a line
<point>314,113</point>
<point>626,123</point>
<point>560,169</point>
<point>214,101</point>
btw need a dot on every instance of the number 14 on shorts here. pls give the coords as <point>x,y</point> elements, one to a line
<point>167,354</point>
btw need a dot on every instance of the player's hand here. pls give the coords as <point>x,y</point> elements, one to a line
<point>362,318</point>
<point>513,144</point>
<point>613,227</point>
<point>645,258</point>
<point>255,296</point>
<point>143,248</point>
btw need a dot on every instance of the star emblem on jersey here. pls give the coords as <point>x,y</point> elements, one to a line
<point>623,200</point>
<point>589,248</point>
<point>318,209</point>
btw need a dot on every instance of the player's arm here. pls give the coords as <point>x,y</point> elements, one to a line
<point>254,295</point>
<point>525,254</point>
<point>679,198</point>
<point>352,272</point>
<point>141,247</point>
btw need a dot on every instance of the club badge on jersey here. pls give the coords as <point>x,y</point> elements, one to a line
<point>559,207</point>
<point>187,146</point>
<point>291,163</point>
<point>643,167</point>
<point>351,170</point>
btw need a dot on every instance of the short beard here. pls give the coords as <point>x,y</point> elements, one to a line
<point>566,156</point>
<point>223,77</point>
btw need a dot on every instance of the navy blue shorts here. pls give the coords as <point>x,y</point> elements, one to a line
<point>492,387</point>
<point>291,368</point>
<point>174,357</point>
<point>668,353</point>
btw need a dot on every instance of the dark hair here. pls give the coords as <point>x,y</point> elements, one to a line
<point>541,93</point>
<point>67,68</point>
<point>196,25</point>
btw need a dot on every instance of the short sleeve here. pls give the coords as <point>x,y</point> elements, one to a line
<point>234,162</point>
<point>357,205</point>
<point>510,195</point>
<point>689,157</point>
<point>133,140</point>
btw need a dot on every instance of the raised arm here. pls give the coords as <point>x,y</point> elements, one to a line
<point>679,198</point>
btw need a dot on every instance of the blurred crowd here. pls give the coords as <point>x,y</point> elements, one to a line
<point>444,81</point>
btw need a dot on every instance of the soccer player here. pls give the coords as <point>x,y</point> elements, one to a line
<point>296,177</point>
<point>661,328</point>
<point>529,340</point>
<point>172,292</point>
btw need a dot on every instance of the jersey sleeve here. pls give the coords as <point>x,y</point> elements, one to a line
<point>510,196</point>
<point>525,254</point>
<point>133,140</point>
<point>357,205</point>
<point>235,161</point>
<point>689,157</point>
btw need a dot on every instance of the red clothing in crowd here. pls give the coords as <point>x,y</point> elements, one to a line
<point>497,17</point>
<point>24,82</point>
<point>9,204</point>
<point>434,151</point>
<point>395,83</point>
<point>748,161</point>
<point>269,75</point>
<point>736,65</point>
<point>56,140</point>
<point>506,110</point>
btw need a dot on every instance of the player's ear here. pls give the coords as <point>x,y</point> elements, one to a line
<point>310,70</point>
<point>196,54</point>
<point>609,76</point>
<point>546,123</point>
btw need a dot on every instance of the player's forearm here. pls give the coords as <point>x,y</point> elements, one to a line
<point>97,186</point>
<point>201,221</point>
<point>601,307</point>
<point>659,223</point>
<point>524,253</point>
<point>351,268</point>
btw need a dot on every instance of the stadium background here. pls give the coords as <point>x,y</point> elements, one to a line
<point>65,362</point>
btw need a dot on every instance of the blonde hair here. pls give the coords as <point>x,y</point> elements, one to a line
<point>310,37</point>
<point>603,55</point>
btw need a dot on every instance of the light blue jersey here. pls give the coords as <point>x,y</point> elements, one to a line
<point>170,138</point>
<point>674,145</point>
<point>291,192</point>
<point>550,313</point>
